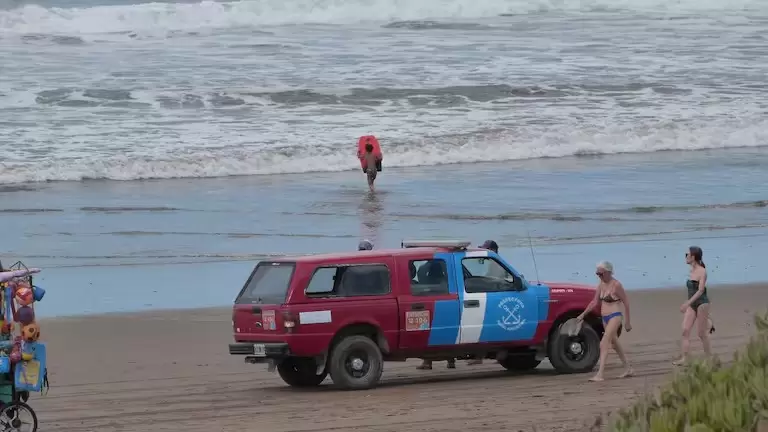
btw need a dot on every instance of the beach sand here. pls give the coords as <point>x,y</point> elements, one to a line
<point>171,371</point>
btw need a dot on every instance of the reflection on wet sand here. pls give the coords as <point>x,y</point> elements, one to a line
<point>371,212</point>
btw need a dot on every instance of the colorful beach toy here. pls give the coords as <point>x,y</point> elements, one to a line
<point>23,367</point>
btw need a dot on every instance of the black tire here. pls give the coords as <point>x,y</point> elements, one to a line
<point>300,372</point>
<point>574,354</point>
<point>356,363</point>
<point>520,362</point>
<point>11,413</point>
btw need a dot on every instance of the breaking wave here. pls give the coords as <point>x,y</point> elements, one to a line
<point>493,146</point>
<point>54,17</point>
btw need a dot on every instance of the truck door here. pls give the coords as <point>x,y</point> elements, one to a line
<point>496,305</point>
<point>429,313</point>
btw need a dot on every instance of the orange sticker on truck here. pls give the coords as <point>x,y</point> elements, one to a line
<point>417,321</point>
<point>268,318</point>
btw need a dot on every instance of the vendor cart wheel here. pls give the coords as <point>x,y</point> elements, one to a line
<point>18,417</point>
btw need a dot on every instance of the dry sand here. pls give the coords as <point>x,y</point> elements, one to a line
<point>171,371</point>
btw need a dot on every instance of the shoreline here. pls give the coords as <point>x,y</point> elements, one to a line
<point>567,163</point>
<point>124,246</point>
<point>216,309</point>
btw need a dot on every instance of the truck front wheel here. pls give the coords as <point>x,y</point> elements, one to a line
<point>574,354</point>
<point>300,372</point>
<point>356,363</point>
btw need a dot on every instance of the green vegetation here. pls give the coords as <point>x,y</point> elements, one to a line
<point>708,396</point>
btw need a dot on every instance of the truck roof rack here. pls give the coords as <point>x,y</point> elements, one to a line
<point>450,244</point>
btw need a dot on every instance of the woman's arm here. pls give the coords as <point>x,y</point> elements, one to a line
<point>591,305</point>
<point>702,279</point>
<point>8,275</point>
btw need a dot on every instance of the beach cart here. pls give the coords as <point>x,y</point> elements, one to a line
<point>22,357</point>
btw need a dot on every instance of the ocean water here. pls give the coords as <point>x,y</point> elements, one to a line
<point>153,152</point>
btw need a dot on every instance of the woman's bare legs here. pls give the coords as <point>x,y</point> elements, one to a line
<point>628,372</point>
<point>685,344</point>
<point>703,319</point>
<point>605,344</point>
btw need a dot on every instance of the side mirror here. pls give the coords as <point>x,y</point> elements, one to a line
<point>517,284</point>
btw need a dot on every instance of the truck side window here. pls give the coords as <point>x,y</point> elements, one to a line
<point>428,277</point>
<point>488,275</point>
<point>323,281</point>
<point>349,281</point>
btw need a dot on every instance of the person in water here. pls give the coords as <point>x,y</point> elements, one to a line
<point>370,165</point>
<point>611,296</point>
<point>696,308</point>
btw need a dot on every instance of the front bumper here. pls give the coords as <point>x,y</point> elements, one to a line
<point>270,351</point>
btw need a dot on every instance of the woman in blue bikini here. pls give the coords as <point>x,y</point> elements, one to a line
<point>611,296</point>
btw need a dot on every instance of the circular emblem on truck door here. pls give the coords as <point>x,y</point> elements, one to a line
<point>512,317</point>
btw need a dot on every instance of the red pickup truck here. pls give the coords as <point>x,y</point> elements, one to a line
<point>347,313</point>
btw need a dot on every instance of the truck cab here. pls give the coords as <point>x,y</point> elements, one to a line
<point>346,314</point>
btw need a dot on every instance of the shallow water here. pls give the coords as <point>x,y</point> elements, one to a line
<point>109,245</point>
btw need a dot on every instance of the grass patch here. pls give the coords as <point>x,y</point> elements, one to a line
<point>708,396</point>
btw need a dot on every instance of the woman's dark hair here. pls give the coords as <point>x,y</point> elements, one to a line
<point>697,254</point>
<point>369,147</point>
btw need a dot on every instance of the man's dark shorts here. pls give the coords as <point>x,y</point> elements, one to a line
<point>372,174</point>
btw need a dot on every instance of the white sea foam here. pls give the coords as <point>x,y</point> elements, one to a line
<point>257,13</point>
<point>293,100</point>
<point>477,148</point>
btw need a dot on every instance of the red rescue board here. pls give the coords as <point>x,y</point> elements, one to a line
<point>366,139</point>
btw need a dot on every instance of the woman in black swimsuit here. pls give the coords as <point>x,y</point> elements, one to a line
<point>696,308</point>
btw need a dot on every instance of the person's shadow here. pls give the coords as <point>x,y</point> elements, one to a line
<point>371,211</point>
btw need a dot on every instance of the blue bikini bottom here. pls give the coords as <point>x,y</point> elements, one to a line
<point>608,317</point>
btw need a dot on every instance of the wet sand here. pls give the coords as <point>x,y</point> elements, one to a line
<point>170,371</point>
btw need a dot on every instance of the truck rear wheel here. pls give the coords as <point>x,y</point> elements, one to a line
<point>300,372</point>
<point>574,354</point>
<point>356,363</point>
<point>520,362</point>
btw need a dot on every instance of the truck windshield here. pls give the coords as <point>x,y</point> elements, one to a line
<point>268,284</point>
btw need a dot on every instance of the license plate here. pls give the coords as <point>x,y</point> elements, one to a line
<point>258,350</point>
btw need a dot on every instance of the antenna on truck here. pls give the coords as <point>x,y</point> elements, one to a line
<point>535,267</point>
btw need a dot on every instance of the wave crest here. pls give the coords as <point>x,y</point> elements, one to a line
<point>164,17</point>
<point>294,158</point>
